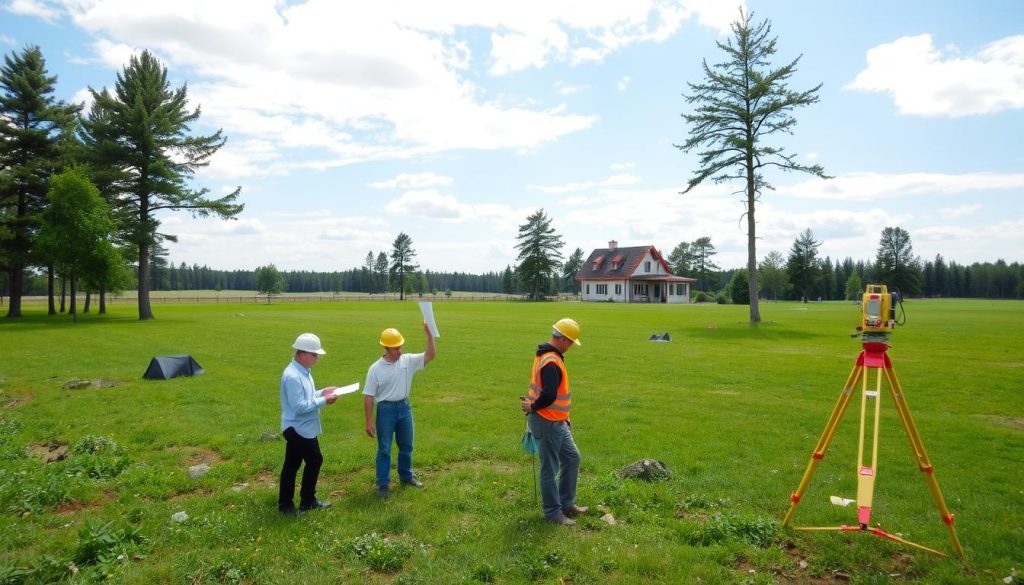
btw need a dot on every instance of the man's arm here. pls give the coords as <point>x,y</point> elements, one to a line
<point>371,429</point>
<point>431,351</point>
<point>550,380</point>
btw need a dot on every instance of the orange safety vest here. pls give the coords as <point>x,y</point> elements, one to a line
<point>559,409</point>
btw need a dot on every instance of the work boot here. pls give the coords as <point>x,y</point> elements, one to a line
<point>413,482</point>
<point>383,492</point>
<point>315,505</point>
<point>561,519</point>
<point>288,511</point>
<point>574,510</point>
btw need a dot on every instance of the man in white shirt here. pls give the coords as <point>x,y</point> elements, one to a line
<point>388,384</point>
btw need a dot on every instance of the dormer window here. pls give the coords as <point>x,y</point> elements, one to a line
<point>616,262</point>
<point>598,261</point>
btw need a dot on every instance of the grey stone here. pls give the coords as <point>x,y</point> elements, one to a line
<point>269,436</point>
<point>197,471</point>
<point>77,384</point>
<point>646,470</point>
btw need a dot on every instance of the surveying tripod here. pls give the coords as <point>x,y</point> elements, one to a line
<point>873,359</point>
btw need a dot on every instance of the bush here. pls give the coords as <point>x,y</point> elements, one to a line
<point>722,298</point>
<point>380,553</point>
<point>702,297</point>
<point>739,287</point>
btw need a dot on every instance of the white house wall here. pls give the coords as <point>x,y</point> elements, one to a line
<point>589,290</point>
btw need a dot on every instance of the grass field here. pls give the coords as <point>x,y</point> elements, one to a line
<point>733,410</point>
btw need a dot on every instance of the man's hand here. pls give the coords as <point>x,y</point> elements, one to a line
<point>329,394</point>
<point>526,405</point>
<point>371,429</point>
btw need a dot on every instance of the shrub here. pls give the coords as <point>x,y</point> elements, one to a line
<point>722,298</point>
<point>380,553</point>
<point>739,287</point>
<point>702,297</point>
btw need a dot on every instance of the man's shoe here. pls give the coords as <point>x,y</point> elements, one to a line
<point>317,505</point>
<point>289,511</point>
<point>413,482</point>
<point>383,492</point>
<point>574,510</point>
<point>561,519</point>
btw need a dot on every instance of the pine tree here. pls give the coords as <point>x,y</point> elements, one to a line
<point>138,143</point>
<point>401,262</point>
<point>33,127</point>
<point>803,266</point>
<point>540,253</point>
<point>742,102</point>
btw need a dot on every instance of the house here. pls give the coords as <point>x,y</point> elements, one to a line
<point>631,275</point>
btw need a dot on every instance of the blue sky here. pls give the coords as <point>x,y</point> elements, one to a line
<point>349,122</point>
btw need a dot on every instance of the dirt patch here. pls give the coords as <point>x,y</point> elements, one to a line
<point>85,383</point>
<point>1016,424</point>
<point>75,506</point>
<point>7,402</point>
<point>189,493</point>
<point>50,452</point>
<point>195,455</point>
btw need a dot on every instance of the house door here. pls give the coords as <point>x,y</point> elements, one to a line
<point>657,293</point>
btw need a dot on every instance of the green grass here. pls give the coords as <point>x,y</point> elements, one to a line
<point>733,410</point>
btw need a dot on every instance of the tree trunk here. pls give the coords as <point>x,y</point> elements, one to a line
<point>74,299</point>
<point>17,276</point>
<point>88,301</point>
<point>63,290</point>
<point>103,299</point>
<point>145,308</point>
<point>51,308</point>
<point>755,309</point>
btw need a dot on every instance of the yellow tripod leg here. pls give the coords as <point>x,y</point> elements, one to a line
<point>866,473</point>
<point>826,437</point>
<point>923,463</point>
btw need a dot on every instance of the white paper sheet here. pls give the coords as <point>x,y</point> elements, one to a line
<point>837,501</point>
<point>427,308</point>
<point>346,389</point>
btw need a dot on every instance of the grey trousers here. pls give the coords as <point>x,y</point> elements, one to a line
<point>559,464</point>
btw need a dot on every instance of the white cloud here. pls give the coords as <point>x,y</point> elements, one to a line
<point>416,181</point>
<point>375,81</point>
<point>563,88</point>
<point>7,40</point>
<point>612,181</point>
<point>623,83</point>
<point>879,186</point>
<point>955,212</point>
<point>429,204</point>
<point>925,81</point>
<point>35,8</point>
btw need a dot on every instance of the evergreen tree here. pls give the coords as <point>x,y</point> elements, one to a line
<point>802,266</point>
<point>402,255</point>
<point>369,272</point>
<point>137,140</point>
<point>539,253</point>
<point>380,270</point>
<point>508,281</point>
<point>703,266</point>
<point>742,102</point>
<point>571,268</point>
<point>33,126</point>
<point>681,259</point>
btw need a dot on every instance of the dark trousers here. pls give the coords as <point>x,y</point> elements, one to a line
<point>299,450</point>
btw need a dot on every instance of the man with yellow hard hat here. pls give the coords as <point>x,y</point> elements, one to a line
<point>388,384</point>
<point>548,406</point>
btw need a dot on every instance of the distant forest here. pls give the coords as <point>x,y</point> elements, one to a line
<point>939,278</point>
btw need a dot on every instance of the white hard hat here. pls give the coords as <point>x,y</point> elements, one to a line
<point>308,342</point>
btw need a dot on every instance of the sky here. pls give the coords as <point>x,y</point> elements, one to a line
<point>348,123</point>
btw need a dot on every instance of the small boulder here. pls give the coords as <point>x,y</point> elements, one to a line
<point>77,384</point>
<point>197,471</point>
<point>179,517</point>
<point>269,436</point>
<point>646,470</point>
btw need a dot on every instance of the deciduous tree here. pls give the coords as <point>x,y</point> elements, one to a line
<point>742,102</point>
<point>269,281</point>
<point>571,268</point>
<point>895,264</point>
<point>774,280</point>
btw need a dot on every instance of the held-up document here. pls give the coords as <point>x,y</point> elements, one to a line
<point>427,308</point>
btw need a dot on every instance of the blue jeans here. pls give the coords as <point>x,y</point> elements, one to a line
<point>394,420</point>
<point>559,464</point>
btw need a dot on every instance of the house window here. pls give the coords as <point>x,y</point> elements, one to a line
<point>588,288</point>
<point>618,289</point>
<point>602,289</point>
<point>647,266</point>
<point>639,289</point>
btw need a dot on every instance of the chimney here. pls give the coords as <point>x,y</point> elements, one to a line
<point>612,244</point>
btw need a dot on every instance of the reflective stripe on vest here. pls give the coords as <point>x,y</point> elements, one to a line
<point>559,409</point>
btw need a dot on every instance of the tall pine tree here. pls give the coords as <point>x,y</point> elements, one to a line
<point>137,138</point>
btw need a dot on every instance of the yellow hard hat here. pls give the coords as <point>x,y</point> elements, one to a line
<point>568,328</point>
<point>390,337</point>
